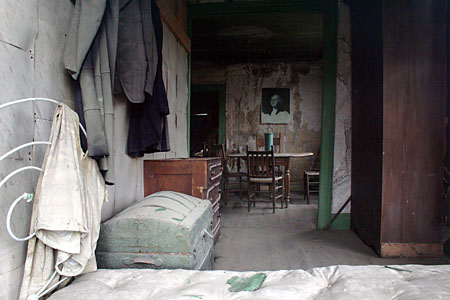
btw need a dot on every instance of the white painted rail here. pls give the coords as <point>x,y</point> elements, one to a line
<point>27,196</point>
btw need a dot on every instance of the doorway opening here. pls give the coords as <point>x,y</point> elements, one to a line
<point>207,117</point>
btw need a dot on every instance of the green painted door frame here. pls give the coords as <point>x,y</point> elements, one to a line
<point>221,89</point>
<point>329,10</point>
<point>329,74</point>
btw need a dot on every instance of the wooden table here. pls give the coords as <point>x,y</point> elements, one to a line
<point>281,159</point>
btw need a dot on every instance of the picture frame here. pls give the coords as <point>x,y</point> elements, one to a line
<point>275,106</point>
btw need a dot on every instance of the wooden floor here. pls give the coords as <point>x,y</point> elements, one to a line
<point>260,240</point>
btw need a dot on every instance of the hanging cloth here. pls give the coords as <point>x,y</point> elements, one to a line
<point>137,54</point>
<point>66,209</point>
<point>148,130</point>
<point>90,57</point>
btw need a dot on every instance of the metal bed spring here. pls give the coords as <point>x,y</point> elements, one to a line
<point>27,196</point>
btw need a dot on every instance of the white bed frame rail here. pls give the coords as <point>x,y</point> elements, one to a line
<point>27,196</point>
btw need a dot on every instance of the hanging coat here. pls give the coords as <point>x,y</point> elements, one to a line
<point>148,130</point>
<point>137,55</point>
<point>90,56</point>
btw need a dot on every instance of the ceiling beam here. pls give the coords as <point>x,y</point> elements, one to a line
<point>256,7</point>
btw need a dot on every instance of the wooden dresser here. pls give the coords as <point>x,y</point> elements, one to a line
<point>199,177</point>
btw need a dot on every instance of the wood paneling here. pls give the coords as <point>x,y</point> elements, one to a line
<point>411,250</point>
<point>414,120</point>
<point>399,95</point>
<point>367,114</point>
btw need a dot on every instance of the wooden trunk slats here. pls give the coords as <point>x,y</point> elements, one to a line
<point>166,230</point>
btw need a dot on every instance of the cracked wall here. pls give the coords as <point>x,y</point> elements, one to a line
<point>208,73</point>
<point>342,142</point>
<point>244,83</point>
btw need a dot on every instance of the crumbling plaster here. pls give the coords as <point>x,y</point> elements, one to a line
<point>244,83</point>
<point>342,143</point>
<point>243,108</point>
<point>207,73</point>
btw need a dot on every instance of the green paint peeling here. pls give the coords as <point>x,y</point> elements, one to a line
<point>249,284</point>
<point>176,219</point>
<point>342,222</point>
<point>161,209</point>
<point>194,296</point>
<point>328,113</point>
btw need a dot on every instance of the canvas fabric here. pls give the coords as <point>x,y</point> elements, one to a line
<point>66,209</point>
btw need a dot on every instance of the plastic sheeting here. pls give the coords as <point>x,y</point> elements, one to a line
<point>408,282</point>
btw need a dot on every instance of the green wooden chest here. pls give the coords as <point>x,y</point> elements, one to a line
<point>166,230</point>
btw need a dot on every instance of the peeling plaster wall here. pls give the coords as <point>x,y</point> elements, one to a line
<point>244,83</point>
<point>32,37</point>
<point>342,143</point>
<point>243,108</point>
<point>342,151</point>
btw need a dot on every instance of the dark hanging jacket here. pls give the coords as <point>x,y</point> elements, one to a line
<point>90,58</point>
<point>148,131</point>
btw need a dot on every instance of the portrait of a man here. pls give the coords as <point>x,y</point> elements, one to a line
<point>275,106</point>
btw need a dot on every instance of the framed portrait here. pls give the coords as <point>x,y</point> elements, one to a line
<point>275,106</point>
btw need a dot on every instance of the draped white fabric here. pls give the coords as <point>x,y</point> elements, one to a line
<point>66,210</point>
<point>408,282</point>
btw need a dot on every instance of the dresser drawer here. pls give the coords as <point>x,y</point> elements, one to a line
<point>216,230</point>
<point>212,193</point>
<point>214,171</point>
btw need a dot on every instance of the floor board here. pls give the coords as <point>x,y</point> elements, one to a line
<point>260,240</point>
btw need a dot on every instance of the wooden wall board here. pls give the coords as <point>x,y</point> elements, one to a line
<point>414,86</point>
<point>399,95</point>
<point>411,250</point>
<point>367,113</point>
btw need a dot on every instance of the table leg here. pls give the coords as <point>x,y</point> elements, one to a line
<point>287,180</point>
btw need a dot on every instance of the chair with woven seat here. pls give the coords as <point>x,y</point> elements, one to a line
<point>310,183</point>
<point>219,150</point>
<point>262,171</point>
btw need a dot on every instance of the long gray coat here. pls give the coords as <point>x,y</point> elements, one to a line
<point>90,56</point>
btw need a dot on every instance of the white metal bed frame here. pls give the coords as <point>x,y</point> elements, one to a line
<point>27,196</point>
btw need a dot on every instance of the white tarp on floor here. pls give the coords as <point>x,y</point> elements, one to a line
<point>408,282</point>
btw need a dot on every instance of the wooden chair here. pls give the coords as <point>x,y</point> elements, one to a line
<point>261,143</point>
<point>310,181</point>
<point>261,171</point>
<point>219,151</point>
